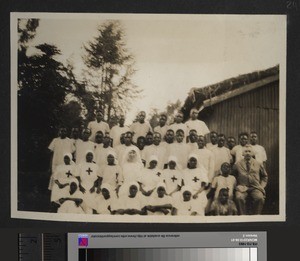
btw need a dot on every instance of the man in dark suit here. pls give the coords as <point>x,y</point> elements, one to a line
<point>251,179</point>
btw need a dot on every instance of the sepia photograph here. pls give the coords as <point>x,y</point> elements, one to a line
<point>164,118</point>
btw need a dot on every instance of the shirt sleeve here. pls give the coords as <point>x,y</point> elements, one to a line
<point>52,145</point>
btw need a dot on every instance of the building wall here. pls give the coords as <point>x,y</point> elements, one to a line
<point>257,110</point>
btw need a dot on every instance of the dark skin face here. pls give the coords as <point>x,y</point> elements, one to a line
<point>122,138</point>
<point>161,192</point>
<point>142,117</point>
<point>141,143</point>
<point>128,139</point>
<point>193,136</point>
<point>172,164</point>
<point>179,136</point>
<point>89,157</point>
<point>243,140</point>
<point>67,160</point>
<point>105,193</point>
<point>152,164</point>
<point>162,121</point>
<point>110,160</point>
<point>178,118</point>
<point>192,163</point>
<point>156,139</point>
<point>149,139</point>
<point>170,136</point>
<point>75,133</point>
<point>253,138</point>
<point>73,188</point>
<point>225,168</point>
<point>106,141</point>
<point>122,121</point>
<point>221,141</point>
<point>213,138</point>
<point>201,142</point>
<point>99,138</point>
<point>194,115</point>
<point>85,135</point>
<point>231,143</point>
<point>132,191</point>
<point>63,133</point>
<point>186,196</point>
<point>99,116</point>
<point>223,197</point>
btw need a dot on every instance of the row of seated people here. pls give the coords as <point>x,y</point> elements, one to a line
<point>134,188</point>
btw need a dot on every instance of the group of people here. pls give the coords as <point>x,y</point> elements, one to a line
<point>168,170</point>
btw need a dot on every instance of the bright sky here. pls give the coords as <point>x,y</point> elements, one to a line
<point>174,53</point>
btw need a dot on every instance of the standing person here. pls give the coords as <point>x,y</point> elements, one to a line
<point>116,131</point>
<point>251,179</point>
<point>59,147</point>
<point>149,138</point>
<point>157,150</point>
<point>221,154</point>
<point>83,146</point>
<point>179,149</point>
<point>238,150</point>
<point>141,127</point>
<point>120,149</point>
<point>178,124</point>
<point>223,205</point>
<point>225,180</point>
<point>98,125</point>
<point>205,157</point>
<point>75,137</point>
<point>162,127</point>
<point>103,151</point>
<point>231,142</point>
<point>194,123</point>
<point>213,136</point>
<point>259,151</point>
<point>192,140</point>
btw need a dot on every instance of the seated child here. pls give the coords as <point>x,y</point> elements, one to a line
<point>184,204</point>
<point>104,200</point>
<point>130,201</point>
<point>223,206</point>
<point>73,202</point>
<point>160,203</point>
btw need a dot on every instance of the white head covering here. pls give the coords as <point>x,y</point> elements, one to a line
<point>89,151</point>
<point>70,157</point>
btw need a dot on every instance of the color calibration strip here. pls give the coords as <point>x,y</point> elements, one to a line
<point>178,254</point>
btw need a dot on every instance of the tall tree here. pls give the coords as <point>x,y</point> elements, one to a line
<point>110,70</point>
<point>43,85</point>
